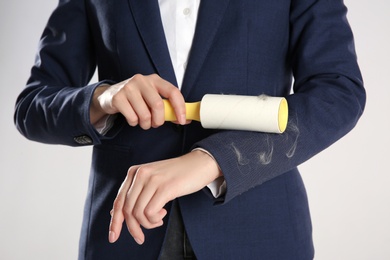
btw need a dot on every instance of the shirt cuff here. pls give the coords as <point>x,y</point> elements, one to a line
<point>218,186</point>
<point>104,124</point>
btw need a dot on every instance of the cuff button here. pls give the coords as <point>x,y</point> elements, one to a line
<point>83,139</point>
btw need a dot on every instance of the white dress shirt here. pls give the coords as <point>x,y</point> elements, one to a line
<point>180,17</point>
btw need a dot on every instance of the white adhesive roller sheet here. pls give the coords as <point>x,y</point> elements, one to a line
<point>252,113</point>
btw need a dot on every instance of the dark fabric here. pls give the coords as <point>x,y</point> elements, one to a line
<point>247,47</point>
<point>176,244</point>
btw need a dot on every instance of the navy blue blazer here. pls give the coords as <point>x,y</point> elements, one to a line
<point>247,47</point>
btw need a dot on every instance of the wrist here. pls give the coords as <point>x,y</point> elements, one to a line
<point>212,160</point>
<point>96,113</point>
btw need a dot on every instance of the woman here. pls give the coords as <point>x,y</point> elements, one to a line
<point>180,189</point>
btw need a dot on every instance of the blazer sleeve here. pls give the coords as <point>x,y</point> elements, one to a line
<point>54,106</point>
<point>327,102</point>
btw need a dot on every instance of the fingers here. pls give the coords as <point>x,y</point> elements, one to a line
<point>177,101</point>
<point>133,225</point>
<point>143,96</point>
<point>139,100</point>
<point>144,208</point>
<point>116,222</point>
<point>131,205</point>
<point>136,208</point>
<point>117,215</point>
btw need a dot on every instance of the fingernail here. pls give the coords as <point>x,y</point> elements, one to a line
<point>111,236</point>
<point>139,242</point>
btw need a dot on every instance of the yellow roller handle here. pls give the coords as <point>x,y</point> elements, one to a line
<point>192,111</point>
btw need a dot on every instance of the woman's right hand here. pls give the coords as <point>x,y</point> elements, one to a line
<point>139,100</point>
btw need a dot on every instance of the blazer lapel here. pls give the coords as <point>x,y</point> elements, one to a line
<point>209,18</point>
<point>147,17</point>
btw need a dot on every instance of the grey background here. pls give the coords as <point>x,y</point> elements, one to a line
<point>43,187</point>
